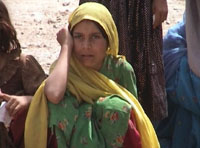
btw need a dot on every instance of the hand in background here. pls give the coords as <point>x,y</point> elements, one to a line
<point>15,104</point>
<point>160,12</point>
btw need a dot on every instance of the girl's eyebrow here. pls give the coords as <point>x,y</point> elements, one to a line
<point>98,32</point>
<point>77,33</point>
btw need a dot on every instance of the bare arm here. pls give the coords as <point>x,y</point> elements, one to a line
<point>193,35</point>
<point>55,85</point>
<point>160,11</point>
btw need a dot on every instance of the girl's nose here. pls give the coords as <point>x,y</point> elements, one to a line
<point>86,44</point>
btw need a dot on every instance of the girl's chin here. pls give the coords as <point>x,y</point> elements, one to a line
<point>88,65</point>
<point>91,66</point>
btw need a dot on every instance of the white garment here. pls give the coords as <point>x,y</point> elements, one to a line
<point>4,115</point>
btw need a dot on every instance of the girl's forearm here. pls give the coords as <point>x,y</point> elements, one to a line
<point>55,85</point>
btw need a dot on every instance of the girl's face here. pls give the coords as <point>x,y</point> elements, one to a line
<point>89,44</point>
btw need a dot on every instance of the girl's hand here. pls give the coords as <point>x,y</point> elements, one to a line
<point>160,11</point>
<point>15,104</point>
<point>64,38</point>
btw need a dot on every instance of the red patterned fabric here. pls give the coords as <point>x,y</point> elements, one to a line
<point>17,129</point>
<point>132,138</point>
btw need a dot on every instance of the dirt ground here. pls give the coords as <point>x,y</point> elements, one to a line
<point>38,21</point>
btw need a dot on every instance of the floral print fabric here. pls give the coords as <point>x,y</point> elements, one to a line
<point>102,124</point>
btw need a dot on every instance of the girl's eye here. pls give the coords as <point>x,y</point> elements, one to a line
<point>77,36</point>
<point>96,36</point>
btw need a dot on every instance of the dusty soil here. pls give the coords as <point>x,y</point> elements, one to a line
<point>38,21</point>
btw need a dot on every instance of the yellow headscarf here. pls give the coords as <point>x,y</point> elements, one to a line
<point>98,13</point>
<point>87,84</point>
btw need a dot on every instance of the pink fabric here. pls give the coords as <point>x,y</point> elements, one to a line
<point>132,138</point>
<point>51,142</point>
<point>17,129</point>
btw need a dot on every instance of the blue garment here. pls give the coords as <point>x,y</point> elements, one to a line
<point>175,37</point>
<point>174,47</point>
<point>181,129</point>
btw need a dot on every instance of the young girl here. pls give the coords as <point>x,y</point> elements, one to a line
<point>140,41</point>
<point>90,92</point>
<point>20,76</point>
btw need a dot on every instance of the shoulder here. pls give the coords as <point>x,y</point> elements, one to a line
<point>120,63</point>
<point>29,62</point>
<point>32,73</point>
<point>30,66</point>
<point>28,59</point>
<point>117,67</point>
<point>125,75</point>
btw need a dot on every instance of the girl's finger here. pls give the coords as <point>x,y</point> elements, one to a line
<point>5,97</point>
<point>11,105</point>
<point>15,110</point>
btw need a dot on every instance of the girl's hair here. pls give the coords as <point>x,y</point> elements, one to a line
<point>101,30</point>
<point>8,35</point>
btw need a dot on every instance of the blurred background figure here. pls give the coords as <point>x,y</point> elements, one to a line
<point>181,129</point>
<point>20,76</point>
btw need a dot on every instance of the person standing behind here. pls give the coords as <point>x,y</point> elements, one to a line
<point>140,36</point>
<point>20,76</point>
<point>181,129</point>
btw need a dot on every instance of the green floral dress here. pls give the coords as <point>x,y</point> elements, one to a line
<point>99,125</point>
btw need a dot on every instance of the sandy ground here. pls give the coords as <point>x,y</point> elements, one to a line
<point>38,21</point>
